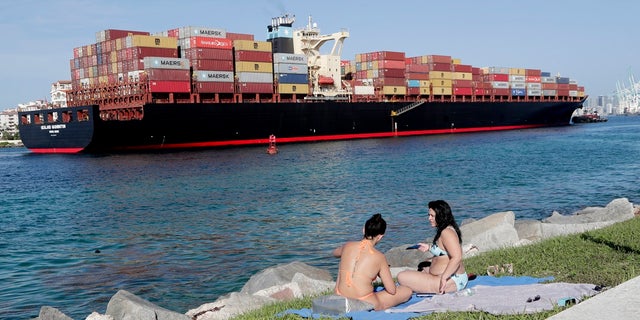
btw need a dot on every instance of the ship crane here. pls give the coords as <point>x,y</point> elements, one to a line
<point>324,69</point>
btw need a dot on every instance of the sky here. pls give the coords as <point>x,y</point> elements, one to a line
<point>592,42</point>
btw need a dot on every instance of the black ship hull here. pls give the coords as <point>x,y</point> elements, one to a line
<point>201,125</point>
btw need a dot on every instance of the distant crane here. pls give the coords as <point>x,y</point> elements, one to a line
<point>629,97</point>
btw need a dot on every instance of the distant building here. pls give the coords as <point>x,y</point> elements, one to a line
<point>59,91</point>
<point>8,120</point>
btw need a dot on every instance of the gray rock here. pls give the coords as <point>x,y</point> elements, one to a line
<point>529,229</point>
<point>335,305</point>
<point>617,210</point>
<point>492,232</point>
<point>401,257</point>
<point>127,306</point>
<point>51,313</point>
<point>283,274</point>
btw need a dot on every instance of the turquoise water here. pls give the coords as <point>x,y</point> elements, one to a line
<point>180,229</point>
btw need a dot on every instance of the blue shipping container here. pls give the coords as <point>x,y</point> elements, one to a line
<point>518,92</point>
<point>293,78</point>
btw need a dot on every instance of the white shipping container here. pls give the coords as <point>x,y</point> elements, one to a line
<point>500,84</point>
<point>213,76</point>
<point>363,90</point>
<point>258,77</point>
<point>289,58</point>
<point>534,92</point>
<point>516,78</point>
<point>518,85</point>
<point>548,80</point>
<point>534,86</point>
<point>186,32</point>
<point>166,63</point>
<point>499,70</point>
<point>290,68</point>
<point>573,93</point>
<point>549,93</point>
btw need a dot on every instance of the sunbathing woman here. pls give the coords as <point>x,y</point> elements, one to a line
<point>446,272</point>
<point>361,263</point>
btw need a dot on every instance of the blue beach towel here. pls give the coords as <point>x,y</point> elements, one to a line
<point>395,313</point>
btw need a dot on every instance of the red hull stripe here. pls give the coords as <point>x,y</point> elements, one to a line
<point>56,150</point>
<point>324,138</point>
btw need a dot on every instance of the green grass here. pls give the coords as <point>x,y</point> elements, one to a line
<point>607,256</point>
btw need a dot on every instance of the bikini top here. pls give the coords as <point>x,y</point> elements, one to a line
<point>436,251</point>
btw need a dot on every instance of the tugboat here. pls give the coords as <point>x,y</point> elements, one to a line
<point>588,118</point>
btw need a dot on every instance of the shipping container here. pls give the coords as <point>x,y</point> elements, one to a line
<point>463,91</point>
<point>150,41</point>
<point>208,53</point>
<point>213,76</point>
<point>417,76</point>
<point>518,85</point>
<point>166,63</point>
<point>534,92</point>
<point>292,78</point>
<point>255,77</point>
<point>549,93</point>
<point>204,42</point>
<point>258,56</point>
<point>291,88</point>
<point>290,68</point>
<point>168,74</point>
<point>438,59</point>
<point>214,87</point>
<point>419,91</point>
<point>252,87</point>
<point>462,76</point>
<point>363,90</point>
<point>190,31</point>
<point>112,34</point>
<point>170,86</point>
<point>207,64</point>
<point>394,90</point>
<point>500,84</point>
<point>247,66</point>
<point>518,92</point>
<point>517,78</point>
<point>440,75</point>
<point>240,36</point>
<point>289,58</point>
<point>446,91</point>
<point>498,70</point>
<point>252,45</point>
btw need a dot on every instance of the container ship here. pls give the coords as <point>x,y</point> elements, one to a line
<point>203,87</point>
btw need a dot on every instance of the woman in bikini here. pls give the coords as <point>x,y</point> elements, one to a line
<point>361,263</point>
<point>446,272</point>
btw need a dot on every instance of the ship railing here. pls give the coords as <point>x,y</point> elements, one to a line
<point>407,108</point>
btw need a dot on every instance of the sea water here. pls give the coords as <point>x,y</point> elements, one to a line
<point>181,229</point>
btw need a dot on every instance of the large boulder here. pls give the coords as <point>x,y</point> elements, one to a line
<point>492,232</point>
<point>127,306</point>
<point>590,218</point>
<point>286,281</point>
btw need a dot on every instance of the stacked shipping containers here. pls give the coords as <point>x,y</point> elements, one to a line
<point>291,73</point>
<point>210,54</point>
<point>254,66</point>
<point>384,69</point>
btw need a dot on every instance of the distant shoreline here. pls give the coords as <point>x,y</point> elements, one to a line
<point>11,143</point>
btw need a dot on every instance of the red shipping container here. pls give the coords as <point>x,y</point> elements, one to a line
<point>378,82</point>
<point>549,86</point>
<point>462,68</point>
<point>417,76</point>
<point>255,56</point>
<point>168,74</point>
<point>214,65</point>
<point>391,64</point>
<point>387,55</point>
<point>463,83</point>
<point>170,86</point>
<point>462,91</point>
<point>533,72</point>
<point>533,79</point>
<point>214,87</point>
<point>215,43</point>
<point>240,36</point>
<point>496,77</point>
<point>208,53</point>
<point>573,87</point>
<point>111,34</point>
<point>142,52</point>
<point>563,93</point>
<point>479,91</point>
<point>500,92</point>
<point>392,73</point>
<point>440,66</point>
<point>476,71</point>
<point>420,68</point>
<point>439,59</point>
<point>254,87</point>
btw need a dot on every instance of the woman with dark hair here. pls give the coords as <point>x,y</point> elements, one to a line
<point>446,272</point>
<point>361,263</point>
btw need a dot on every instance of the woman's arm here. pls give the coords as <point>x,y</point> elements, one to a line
<point>337,252</point>
<point>385,275</point>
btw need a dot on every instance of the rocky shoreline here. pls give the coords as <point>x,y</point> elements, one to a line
<point>296,279</point>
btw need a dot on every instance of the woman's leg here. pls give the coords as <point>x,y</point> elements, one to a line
<point>419,281</point>
<point>387,300</point>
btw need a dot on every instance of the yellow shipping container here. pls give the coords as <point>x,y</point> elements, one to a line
<point>103,79</point>
<point>442,82</point>
<point>425,83</point>
<point>138,40</point>
<point>440,75</point>
<point>251,66</point>
<point>394,90</point>
<point>580,94</point>
<point>249,45</point>
<point>424,91</point>
<point>119,44</point>
<point>358,57</point>
<point>517,71</point>
<point>113,56</point>
<point>293,88</point>
<point>456,61</point>
<point>446,91</point>
<point>462,76</point>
